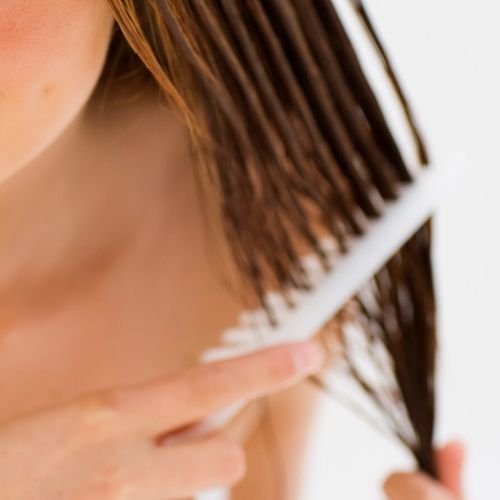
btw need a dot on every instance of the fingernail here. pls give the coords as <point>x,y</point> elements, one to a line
<point>309,357</point>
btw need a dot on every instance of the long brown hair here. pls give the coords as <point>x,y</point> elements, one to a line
<point>289,136</point>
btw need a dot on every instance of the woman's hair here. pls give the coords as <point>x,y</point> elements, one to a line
<point>289,137</point>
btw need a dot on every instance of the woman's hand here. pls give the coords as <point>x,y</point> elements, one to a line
<point>108,445</point>
<point>417,486</point>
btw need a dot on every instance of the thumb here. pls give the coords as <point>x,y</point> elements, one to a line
<point>450,460</point>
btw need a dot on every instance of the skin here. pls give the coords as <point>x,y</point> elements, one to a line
<point>51,55</point>
<point>95,294</point>
<point>104,301</point>
<point>106,445</point>
<point>416,486</point>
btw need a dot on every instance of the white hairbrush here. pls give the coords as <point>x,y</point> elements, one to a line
<point>331,290</point>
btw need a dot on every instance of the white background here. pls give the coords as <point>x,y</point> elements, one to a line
<point>447,54</point>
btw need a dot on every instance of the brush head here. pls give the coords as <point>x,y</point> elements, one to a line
<point>378,300</point>
<point>349,272</point>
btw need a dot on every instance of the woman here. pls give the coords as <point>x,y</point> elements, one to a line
<point>107,294</point>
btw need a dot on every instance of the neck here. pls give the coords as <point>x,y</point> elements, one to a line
<point>69,216</point>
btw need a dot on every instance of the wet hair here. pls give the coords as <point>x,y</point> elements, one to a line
<point>289,137</point>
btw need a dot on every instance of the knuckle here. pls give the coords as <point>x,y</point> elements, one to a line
<point>99,406</point>
<point>98,414</point>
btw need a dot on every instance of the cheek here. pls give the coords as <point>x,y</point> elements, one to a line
<point>51,55</point>
<point>41,40</point>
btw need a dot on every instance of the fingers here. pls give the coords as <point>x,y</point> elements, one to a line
<point>190,396</point>
<point>417,486</point>
<point>238,428</point>
<point>414,486</point>
<point>134,418</point>
<point>185,469</point>
<point>450,460</point>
